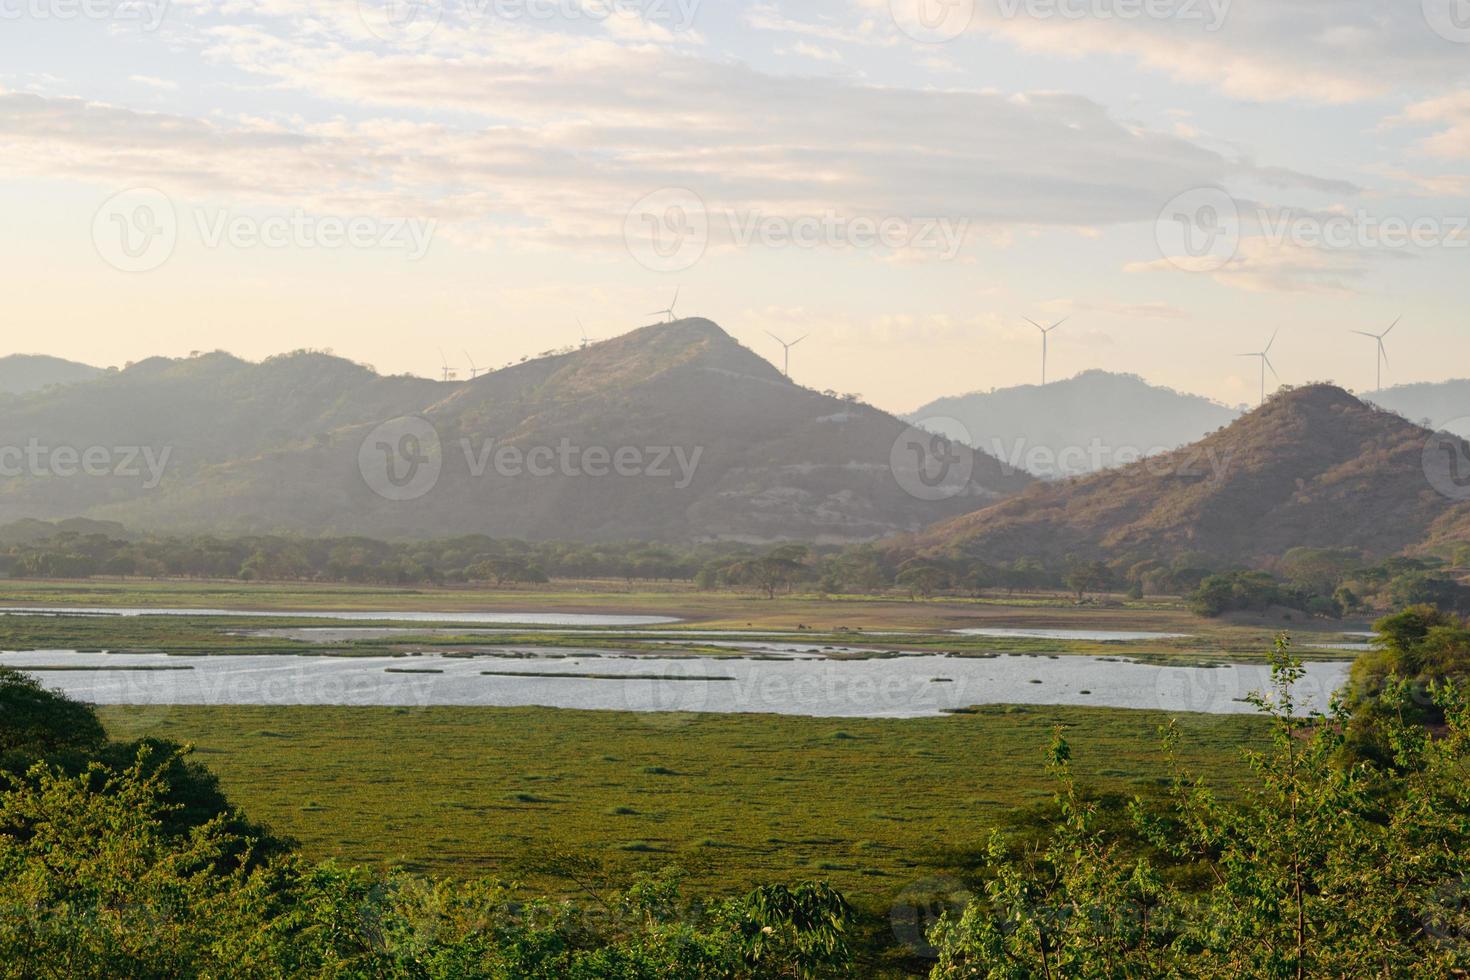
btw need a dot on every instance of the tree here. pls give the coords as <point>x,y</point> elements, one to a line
<point>1319,867</point>
<point>922,576</point>
<point>779,568</point>
<point>1087,576</point>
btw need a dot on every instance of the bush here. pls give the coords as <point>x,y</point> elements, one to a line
<point>1323,868</point>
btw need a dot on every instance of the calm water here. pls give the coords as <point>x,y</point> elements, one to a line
<point>529,619</point>
<point>1103,636</point>
<point>893,688</point>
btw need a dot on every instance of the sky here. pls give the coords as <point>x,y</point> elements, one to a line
<point>902,182</point>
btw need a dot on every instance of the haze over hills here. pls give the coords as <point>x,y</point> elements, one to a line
<point>1442,405</point>
<point>1092,421</point>
<point>1313,467</point>
<point>714,443</point>
<point>22,373</point>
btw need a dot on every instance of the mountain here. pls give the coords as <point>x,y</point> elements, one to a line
<point>1313,466</point>
<point>21,373</point>
<point>674,431</point>
<point>1441,405</point>
<point>1093,421</point>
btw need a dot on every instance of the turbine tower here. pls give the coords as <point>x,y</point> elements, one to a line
<point>1044,332</point>
<point>670,311</point>
<point>449,373</point>
<point>786,364</point>
<point>1382,354</point>
<point>1265,363</point>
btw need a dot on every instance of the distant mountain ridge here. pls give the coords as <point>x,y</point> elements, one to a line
<point>23,373</point>
<point>298,443</point>
<point>1095,420</point>
<point>1440,405</point>
<point>1314,466</point>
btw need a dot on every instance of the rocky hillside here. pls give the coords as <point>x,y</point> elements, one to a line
<point>675,431</point>
<point>1313,466</point>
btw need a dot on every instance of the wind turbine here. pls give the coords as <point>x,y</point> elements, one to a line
<point>1044,332</point>
<point>786,368</point>
<point>449,373</point>
<point>670,311</point>
<point>474,371</point>
<point>1265,363</point>
<point>585,341</point>
<point>1382,357</point>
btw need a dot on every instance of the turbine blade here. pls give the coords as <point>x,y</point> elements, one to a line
<point>775,338</point>
<point>798,340</point>
<point>1382,351</point>
<point>1058,324</point>
<point>1364,333</point>
<point>1267,360</point>
<point>1273,340</point>
<point>1034,323</point>
<point>1390,328</point>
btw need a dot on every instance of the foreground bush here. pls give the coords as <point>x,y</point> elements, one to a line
<point>137,868</point>
<point>1324,867</point>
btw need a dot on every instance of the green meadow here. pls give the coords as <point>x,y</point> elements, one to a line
<point>870,804</point>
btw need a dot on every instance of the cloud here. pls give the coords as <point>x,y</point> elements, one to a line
<point>1450,114</point>
<point>1262,266</point>
<point>1341,52</point>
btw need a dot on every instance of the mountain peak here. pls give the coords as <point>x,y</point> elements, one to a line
<point>1313,466</point>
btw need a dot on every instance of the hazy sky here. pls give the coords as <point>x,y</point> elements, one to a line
<point>903,181</point>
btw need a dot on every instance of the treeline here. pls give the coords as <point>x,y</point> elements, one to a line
<point>1323,582</point>
<point>468,559</point>
<point>1334,583</point>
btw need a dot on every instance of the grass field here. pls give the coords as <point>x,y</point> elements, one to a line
<point>870,804</point>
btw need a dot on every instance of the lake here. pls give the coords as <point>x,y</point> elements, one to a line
<point>527,619</point>
<point>900,687</point>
